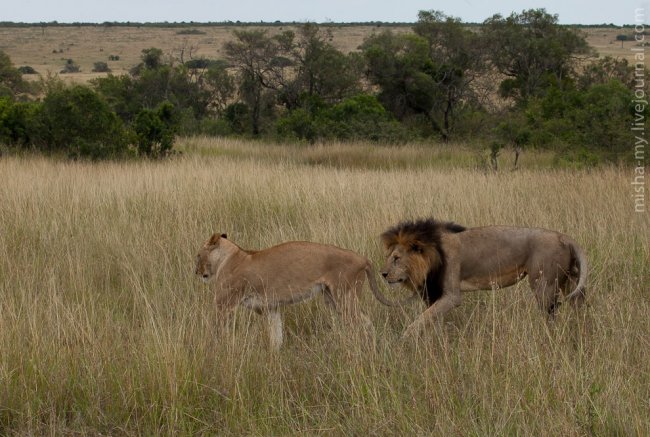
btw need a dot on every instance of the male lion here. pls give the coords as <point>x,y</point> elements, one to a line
<point>292,272</point>
<point>438,260</point>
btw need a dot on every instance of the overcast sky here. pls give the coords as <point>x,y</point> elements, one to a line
<point>64,11</point>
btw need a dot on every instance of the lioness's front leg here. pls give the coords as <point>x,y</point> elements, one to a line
<point>225,302</point>
<point>275,329</point>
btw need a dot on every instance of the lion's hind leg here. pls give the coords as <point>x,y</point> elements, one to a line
<point>571,283</point>
<point>546,290</point>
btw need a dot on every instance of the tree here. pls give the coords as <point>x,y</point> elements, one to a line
<point>219,85</point>
<point>152,58</point>
<point>151,83</point>
<point>11,80</point>
<point>513,131</point>
<point>605,70</point>
<point>532,50</point>
<point>321,69</point>
<point>457,58</point>
<point>251,52</point>
<point>400,65</point>
<point>429,72</point>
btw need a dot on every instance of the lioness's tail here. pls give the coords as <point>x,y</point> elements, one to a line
<point>372,281</point>
<point>579,256</point>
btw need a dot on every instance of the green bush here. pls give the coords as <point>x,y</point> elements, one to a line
<point>26,69</point>
<point>596,120</point>
<point>298,124</point>
<point>70,67</point>
<point>78,121</point>
<point>101,67</point>
<point>213,127</point>
<point>16,119</point>
<point>155,131</point>
<point>361,117</point>
<point>238,117</point>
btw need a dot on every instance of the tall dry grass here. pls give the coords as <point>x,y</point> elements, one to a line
<point>104,329</point>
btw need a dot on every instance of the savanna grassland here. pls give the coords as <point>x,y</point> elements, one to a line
<point>47,48</point>
<point>104,330</point>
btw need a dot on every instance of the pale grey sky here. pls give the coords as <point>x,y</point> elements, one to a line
<point>65,11</point>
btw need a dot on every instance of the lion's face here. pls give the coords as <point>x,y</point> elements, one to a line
<point>208,258</point>
<point>407,266</point>
<point>204,265</point>
<point>397,269</point>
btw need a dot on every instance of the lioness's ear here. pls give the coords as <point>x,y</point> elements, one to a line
<point>214,240</point>
<point>224,236</point>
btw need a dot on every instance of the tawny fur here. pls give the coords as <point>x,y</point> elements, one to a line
<point>438,260</point>
<point>286,274</point>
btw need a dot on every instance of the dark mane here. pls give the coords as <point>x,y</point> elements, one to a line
<point>423,235</point>
<point>424,231</point>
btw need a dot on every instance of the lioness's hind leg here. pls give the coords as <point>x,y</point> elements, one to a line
<point>349,307</point>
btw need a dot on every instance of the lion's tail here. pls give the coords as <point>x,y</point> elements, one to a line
<point>579,256</point>
<point>372,281</point>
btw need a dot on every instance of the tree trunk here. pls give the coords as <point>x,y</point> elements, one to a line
<point>445,134</point>
<point>517,153</point>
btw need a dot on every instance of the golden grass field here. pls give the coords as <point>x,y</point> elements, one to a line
<point>35,46</point>
<point>104,330</point>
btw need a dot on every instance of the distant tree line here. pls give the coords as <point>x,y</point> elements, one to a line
<point>518,81</point>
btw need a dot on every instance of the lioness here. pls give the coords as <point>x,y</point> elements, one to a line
<point>285,274</point>
<point>438,260</point>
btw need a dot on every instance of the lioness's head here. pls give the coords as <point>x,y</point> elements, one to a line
<point>205,259</point>
<point>413,250</point>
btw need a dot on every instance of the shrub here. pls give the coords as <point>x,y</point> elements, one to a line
<point>357,118</point>
<point>190,32</point>
<point>195,64</point>
<point>16,119</point>
<point>101,67</point>
<point>594,120</point>
<point>27,70</point>
<point>155,130</point>
<point>238,117</point>
<point>78,121</point>
<point>70,67</point>
<point>11,81</point>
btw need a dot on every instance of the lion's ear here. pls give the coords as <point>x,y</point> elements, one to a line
<point>416,247</point>
<point>224,236</point>
<point>214,240</point>
<point>386,241</point>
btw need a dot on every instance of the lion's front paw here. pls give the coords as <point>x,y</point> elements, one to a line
<point>410,333</point>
